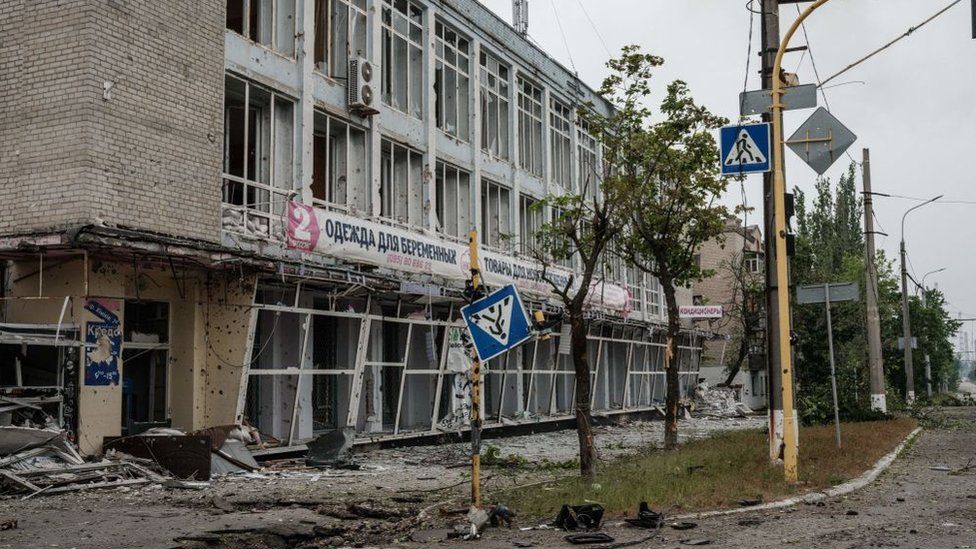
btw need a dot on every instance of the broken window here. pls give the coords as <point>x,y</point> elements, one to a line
<point>451,82</point>
<point>339,165</point>
<point>531,219</point>
<point>560,144</point>
<point>635,287</point>
<point>145,364</point>
<point>496,214</point>
<point>402,184</point>
<point>654,297</point>
<point>530,127</point>
<point>494,106</point>
<point>259,156</point>
<point>589,160</point>
<point>453,189</point>
<point>403,59</point>
<point>268,22</point>
<point>340,35</point>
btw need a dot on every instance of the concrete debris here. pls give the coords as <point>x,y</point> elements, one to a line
<point>718,402</point>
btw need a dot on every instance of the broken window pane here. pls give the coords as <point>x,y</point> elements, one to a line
<point>496,214</point>
<point>560,144</point>
<point>531,221</point>
<point>338,164</point>
<point>530,127</point>
<point>453,188</point>
<point>494,107</point>
<point>451,86</point>
<point>403,67</point>
<point>235,15</point>
<point>588,160</point>
<point>401,184</point>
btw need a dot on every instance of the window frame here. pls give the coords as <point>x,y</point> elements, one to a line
<point>532,113</point>
<point>350,204</point>
<point>444,49</point>
<point>490,190</point>
<point>460,230</point>
<point>561,124</point>
<point>275,39</point>
<point>500,92</point>
<point>414,42</point>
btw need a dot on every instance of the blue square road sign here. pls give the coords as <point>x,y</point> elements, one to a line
<point>497,322</point>
<point>745,149</point>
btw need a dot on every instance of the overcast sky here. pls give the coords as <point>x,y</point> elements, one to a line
<point>916,108</point>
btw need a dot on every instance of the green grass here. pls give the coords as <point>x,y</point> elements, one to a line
<point>715,473</point>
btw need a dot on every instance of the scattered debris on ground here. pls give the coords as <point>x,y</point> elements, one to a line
<point>718,402</point>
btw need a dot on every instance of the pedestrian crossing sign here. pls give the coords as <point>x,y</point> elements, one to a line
<point>745,149</point>
<point>497,322</point>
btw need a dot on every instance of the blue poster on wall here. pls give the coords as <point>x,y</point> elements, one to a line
<point>103,344</point>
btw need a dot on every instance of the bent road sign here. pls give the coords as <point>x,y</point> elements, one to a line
<point>745,149</point>
<point>497,322</point>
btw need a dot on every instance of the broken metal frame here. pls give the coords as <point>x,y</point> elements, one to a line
<point>634,342</point>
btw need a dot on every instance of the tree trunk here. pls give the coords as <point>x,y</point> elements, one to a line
<point>737,365</point>
<point>584,420</point>
<point>671,365</point>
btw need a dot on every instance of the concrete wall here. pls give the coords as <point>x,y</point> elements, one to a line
<point>111,111</point>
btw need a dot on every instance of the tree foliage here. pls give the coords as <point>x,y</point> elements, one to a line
<point>830,248</point>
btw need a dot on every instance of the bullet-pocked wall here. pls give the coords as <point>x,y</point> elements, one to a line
<point>177,346</point>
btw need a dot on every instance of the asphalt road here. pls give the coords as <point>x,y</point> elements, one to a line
<point>911,505</point>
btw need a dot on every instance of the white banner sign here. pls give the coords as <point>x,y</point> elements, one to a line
<point>700,311</point>
<point>320,231</point>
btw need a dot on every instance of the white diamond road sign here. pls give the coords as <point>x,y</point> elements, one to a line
<point>497,322</point>
<point>745,149</point>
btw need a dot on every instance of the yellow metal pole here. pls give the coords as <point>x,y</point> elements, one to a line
<point>782,279</point>
<point>475,388</point>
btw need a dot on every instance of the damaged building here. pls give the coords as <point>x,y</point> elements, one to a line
<point>257,211</point>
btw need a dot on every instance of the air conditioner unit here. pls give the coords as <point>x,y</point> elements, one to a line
<point>362,91</point>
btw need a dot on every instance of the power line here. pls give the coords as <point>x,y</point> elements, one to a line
<point>816,72</point>
<point>892,43</point>
<point>559,23</point>
<point>595,29</point>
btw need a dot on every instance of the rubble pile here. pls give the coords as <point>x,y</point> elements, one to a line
<point>718,402</point>
<point>42,461</point>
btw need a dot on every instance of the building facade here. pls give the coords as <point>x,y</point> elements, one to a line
<point>258,210</point>
<point>737,259</point>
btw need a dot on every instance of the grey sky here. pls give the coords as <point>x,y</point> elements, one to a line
<point>915,111</point>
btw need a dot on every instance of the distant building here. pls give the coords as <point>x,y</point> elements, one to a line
<point>737,261</point>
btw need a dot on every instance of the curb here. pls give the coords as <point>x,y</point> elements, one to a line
<point>842,489</point>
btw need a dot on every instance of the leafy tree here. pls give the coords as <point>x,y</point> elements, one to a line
<point>665,175</point>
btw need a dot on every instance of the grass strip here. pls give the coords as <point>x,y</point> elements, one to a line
<point>716,473</point>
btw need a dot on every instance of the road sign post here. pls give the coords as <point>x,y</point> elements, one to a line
<point>475,393</point>
<point>745,149</point>
<point>827,294</point>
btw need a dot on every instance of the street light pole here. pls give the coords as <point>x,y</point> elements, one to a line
<point>785,362</point>
<point>928,360</point>
<point>906,321</point>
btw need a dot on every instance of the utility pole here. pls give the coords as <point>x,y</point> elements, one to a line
<point>875,360</point>
<point>770,43</point>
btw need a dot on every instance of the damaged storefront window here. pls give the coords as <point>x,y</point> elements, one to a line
<point>145,366</point>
